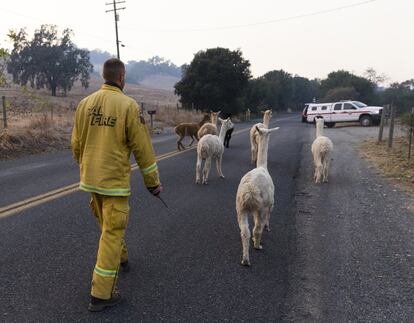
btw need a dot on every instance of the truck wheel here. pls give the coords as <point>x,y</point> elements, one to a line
<point>365,121</point>
<point>330,124</point>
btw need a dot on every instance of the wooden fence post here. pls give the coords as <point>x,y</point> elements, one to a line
<point>411,133</point>
<point>391,133</point>
<point>4,112</point>
<point>142,109</point>
<point>381,129</point>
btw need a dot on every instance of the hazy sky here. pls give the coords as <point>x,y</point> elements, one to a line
<point>378,33</point>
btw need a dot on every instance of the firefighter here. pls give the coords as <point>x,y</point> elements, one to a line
<point>107,129</point>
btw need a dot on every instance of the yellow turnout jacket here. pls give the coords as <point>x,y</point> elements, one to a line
<point>107,129</point>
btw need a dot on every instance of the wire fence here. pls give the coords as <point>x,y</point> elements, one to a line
<point>406,122</point>
<point>23,110</point>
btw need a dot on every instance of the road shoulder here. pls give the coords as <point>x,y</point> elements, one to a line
<point>353,252</point>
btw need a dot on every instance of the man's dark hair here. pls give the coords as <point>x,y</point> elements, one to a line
<point>112,68</point>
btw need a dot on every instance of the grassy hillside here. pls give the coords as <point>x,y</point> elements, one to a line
<point>39,122</point>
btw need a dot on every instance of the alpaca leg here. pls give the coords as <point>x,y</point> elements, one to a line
<point>326,171</point>
<point>259,222</point>
<point>318,168</point>
<point>218,164</point>
<point>179,143</point>
<point>245,236</point>
<point>198,170</point>
<point>315,163</point>
<point>267,224</point>
<point>228,137</point>
<point>192,140</point>
<point>319,171</point>
<point>206,170</point>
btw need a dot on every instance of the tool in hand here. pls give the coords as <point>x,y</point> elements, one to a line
<point>162,201</point>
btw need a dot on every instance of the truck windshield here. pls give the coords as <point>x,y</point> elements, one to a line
<point>359,104</point>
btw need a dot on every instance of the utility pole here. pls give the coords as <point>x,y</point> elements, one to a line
<point>116,16</point>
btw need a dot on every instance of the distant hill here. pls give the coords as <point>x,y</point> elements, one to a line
<point>98,58</point>
<point>156,72</point>
<point>162,82</point>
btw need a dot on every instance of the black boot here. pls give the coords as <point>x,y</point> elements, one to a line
<point>97,304</point>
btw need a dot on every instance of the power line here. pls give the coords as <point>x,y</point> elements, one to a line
<point>116,17</point>
<point>170,30</point>
<point>41,20</point>
<point>273,21</point>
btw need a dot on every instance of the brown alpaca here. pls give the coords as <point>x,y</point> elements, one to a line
<point>189,129</point>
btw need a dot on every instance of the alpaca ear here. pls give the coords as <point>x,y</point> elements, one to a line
<point>221,119</point>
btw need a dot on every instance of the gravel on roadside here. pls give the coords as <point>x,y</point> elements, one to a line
<point>354,248</point>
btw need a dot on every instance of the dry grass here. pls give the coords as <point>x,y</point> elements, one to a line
<point>392,163</point>
<point>170,116</point>
<point>33,134</point>
<point>38,122</point>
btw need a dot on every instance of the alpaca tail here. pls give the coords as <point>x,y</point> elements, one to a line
<point>176,129</point>
<point>203,152</point>
<point>250,197</point>
<point>325,150</point>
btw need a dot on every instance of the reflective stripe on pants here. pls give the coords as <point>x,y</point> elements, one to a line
<point>111,213</point>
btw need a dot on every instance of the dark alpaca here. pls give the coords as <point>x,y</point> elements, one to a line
<point>228,137</point>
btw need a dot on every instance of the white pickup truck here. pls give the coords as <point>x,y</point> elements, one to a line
<point>343,111</point>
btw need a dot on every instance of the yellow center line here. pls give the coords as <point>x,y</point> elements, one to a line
<point>17,207</point>
<point>14,208</point>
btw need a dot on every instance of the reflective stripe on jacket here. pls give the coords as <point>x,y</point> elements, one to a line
<point>107,129</point>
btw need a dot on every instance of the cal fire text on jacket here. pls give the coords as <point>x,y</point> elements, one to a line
<point>99,119</point>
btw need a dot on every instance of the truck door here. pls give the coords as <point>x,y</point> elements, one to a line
<point>349,112</point>
<point>336,115</point>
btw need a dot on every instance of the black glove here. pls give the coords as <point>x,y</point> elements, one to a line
<point>156,190</point>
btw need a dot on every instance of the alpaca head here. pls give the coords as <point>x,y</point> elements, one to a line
<point>264,132</point>
<point>319,125</point>
<point>226,124</point>
<point>319,119</point>
<point>268,112</point>
<point>267,115</point>
<point>214,116</point>
<point>206,118</point>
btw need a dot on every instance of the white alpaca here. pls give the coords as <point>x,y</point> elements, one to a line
<point>209,127</point>
<point>321,149</point>
<point>255,196</point>
<point>209,147</point>
<point>254,136</point>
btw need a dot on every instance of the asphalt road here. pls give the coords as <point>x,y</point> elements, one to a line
<point>337,252</point>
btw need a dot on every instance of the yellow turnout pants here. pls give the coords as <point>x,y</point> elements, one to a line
<point>111,213</point>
